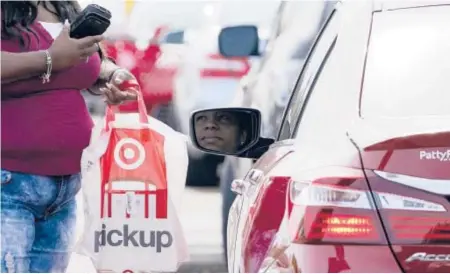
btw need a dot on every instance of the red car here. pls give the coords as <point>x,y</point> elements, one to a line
<point>358,179</point>
<point>154,67</point>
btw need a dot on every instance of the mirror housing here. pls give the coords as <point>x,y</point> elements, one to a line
<point>226,131</point>
<point>239,41</point>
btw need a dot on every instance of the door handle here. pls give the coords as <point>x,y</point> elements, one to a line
<point>254,176</point>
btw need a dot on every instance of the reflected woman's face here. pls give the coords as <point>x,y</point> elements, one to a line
<point>218,131</point>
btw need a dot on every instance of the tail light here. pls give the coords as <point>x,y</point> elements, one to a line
<point>219,66</point>
<point>335,209</point>
<point>341,208</point>
<point>421,219</point>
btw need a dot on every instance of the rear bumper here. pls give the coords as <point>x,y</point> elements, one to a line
<point>331,259</point>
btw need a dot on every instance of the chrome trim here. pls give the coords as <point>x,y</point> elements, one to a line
<point>255,175</point>
<point>238,186</point>
<point>437,186</point>
<point>393,201</point>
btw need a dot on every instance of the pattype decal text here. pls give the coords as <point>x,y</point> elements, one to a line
<point>127,237</point>
<point>428,257</point>
<point>438,155</point>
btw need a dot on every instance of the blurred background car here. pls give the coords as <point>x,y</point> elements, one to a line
<point>269,85</point>
<point>154,63</point>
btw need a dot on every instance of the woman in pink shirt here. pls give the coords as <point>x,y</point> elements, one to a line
<point>45,125</point>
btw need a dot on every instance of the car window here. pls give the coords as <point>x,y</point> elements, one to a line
<point>313,63</point>
<point>284,60</point>
<point>408,64</point>
<point>322,13</point>
<point>276,24</point>
<point>301,50</point>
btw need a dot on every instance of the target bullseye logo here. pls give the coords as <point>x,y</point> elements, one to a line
<point>129,154</point>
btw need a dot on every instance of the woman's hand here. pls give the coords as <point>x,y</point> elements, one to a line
<point>67,52</point>
<point>118,90</point>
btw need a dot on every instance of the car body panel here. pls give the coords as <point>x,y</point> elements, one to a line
<point>239,224</point>
<point>342,144</point>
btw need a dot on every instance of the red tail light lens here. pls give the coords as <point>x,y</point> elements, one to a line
<point>413,209</point>
<point>342,208</point>
<point>345,226</point>
<point>335,209</point>
<point>219,66</point>
<point>408,227</point>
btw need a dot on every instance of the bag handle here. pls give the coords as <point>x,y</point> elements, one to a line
<point>132,86</point>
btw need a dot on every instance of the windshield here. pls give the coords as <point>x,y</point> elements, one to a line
<point>408,65</point>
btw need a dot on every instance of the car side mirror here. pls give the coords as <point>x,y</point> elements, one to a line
<point>174,37</point>
<point>239,41</point>
<point>225,131</point>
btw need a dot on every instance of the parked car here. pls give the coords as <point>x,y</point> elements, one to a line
<point>155,65</point>
<point>357,179</point>
<point>268,86</point>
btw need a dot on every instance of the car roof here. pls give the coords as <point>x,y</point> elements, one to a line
<point>380,5</point>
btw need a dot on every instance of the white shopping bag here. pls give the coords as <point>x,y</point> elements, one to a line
<point>133,170</point>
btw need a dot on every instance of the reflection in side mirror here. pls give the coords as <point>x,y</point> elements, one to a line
<point>227,131</point>
<point>239,41</point>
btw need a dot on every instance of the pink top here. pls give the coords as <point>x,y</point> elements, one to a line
<point>45,127</point>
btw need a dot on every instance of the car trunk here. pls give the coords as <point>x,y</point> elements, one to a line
<point>407,165</point>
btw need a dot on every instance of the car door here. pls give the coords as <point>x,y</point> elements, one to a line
<point>257,212</point>
<point>250,190</point>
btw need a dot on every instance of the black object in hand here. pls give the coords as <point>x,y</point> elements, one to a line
<point>93,20</point>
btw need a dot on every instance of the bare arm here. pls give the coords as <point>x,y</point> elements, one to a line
<point>19,66</point>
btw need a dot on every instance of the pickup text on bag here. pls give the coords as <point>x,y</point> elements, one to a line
<point>137,238</point>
